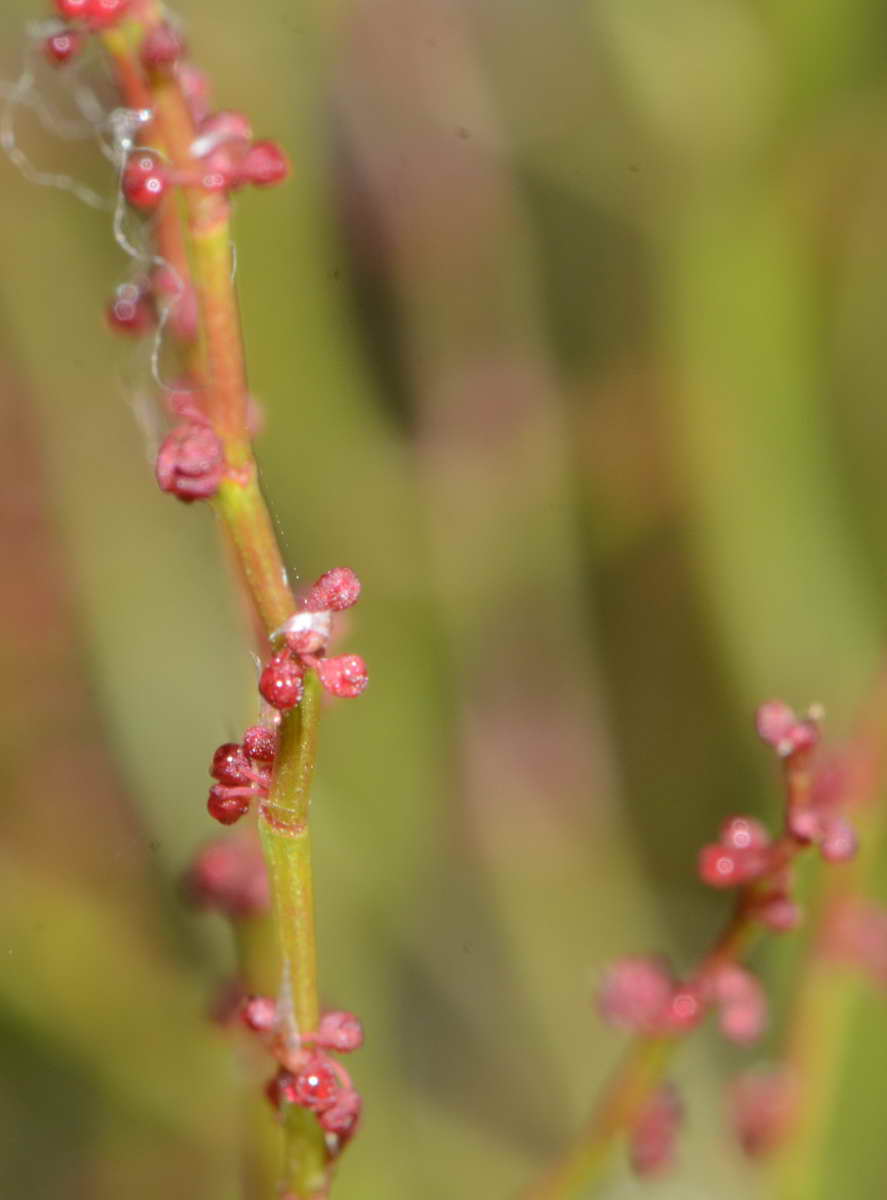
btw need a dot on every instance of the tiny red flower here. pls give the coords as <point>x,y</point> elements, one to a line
<point>229,766</point>
<point>260,743</point>
<point>145,180</point>
<point>226,805</point>
<point>131,310</point>
<point>316,1085</point>
<point>190,463</point>
<point>61,47</point>
<point>340,1031</point>
<point>343,676</point>
<point>162,47</point>
<point>343,1116</point>
<point>73,10</point>
<point>281,682</point>
<point>102,14</point>
<point>336,589</point>
<point>259,1013</point>
<point>264,165</point>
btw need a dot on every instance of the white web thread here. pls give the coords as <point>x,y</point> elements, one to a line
<point>20,94</point>
<point>123,123</point>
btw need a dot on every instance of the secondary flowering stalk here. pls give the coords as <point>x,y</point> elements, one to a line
<point>642,995</point>
<point>179,166</point>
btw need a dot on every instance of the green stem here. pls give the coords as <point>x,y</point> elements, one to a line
<point>283,820</point>
<point>286,840</point>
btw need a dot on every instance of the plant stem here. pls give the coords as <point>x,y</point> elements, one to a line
<point>283,820</point>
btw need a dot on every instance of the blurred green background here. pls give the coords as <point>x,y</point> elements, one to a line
<point>570,332</point>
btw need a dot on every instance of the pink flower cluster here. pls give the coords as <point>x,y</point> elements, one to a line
<point>242,772</point>
<point>305,638</point>
<point>310,1077</point>
<point>641,993</point>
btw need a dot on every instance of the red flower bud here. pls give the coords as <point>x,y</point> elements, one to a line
<point>721,867</point>
<point>229,875</point>
<point>635,993</point>
<point>162,47</point>
<point>102,14</point>
<point>316,1085</point>
<point>336,589</point>
<point>226,805</point>
<point>145,180</point>
<point>61,47</point>
<point>343,1116</point>
<point>264,165</point>
<point>260,743</point>
<point>341,1031</point>
<point>190,463</point>
<point>281,682</point>
<point>259,1013</point>
<point>343,676</point>
<point>230,767</point>
<point>740,833</point>
<point>73,10</point>
<point>131,310</point>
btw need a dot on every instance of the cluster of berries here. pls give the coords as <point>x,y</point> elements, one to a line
<point>242,772</point>
<point>310,1077</point>
<point>81,17</point>
<point>305,637</point>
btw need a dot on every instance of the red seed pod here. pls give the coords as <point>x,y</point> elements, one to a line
<point>190,463</point>
<point>130,310</point>
<point>61,47</point>
<point>341,1031</point>
<point>226,805</point>
<point>343,1117</point>
<point>742,833</point>
<point>336,589</point>
<point>145,180</point>
<point>264,165</point>
<point>229,875</point>
<point>281,682</point>
<point>229,766</point>
<point>73,10</point>
<point>722,868</point>
<point>635,993</point>
<point>259,1013</point>
<point>102,14</point>
<point>343,676</point>
<point>316,1084</point>
<point>163,47</point>
<point>260,743</point>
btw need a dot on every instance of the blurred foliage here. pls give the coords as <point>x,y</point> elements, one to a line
<point>569,332</point>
